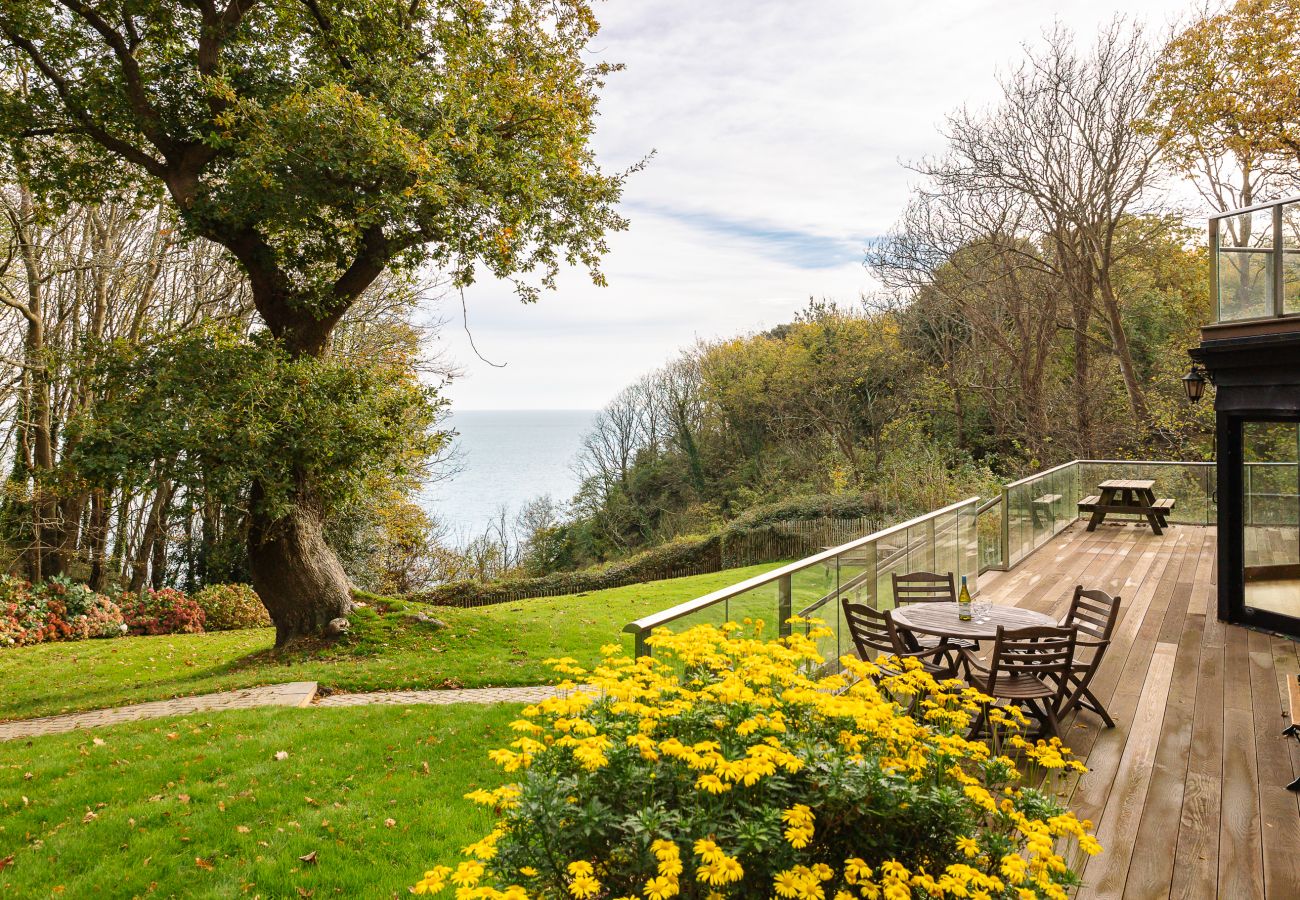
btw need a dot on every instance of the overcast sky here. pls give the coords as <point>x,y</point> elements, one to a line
<point>778,128</point>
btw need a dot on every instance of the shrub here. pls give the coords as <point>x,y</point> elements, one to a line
<point>54,610</point>
<point>680,556</point>
<point>102,619</point>
<point>228,607</point>
<point>166,611</point>
<point>750,777</point>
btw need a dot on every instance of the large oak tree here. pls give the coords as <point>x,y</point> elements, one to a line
<point>321,142</point>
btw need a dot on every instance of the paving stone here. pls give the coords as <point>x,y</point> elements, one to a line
<point>443,697</point>
<point>294,693</point>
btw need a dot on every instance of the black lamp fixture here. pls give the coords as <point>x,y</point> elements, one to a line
<point>1194,383</point>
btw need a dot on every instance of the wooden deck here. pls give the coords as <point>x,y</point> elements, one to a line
<point>1188,791</point>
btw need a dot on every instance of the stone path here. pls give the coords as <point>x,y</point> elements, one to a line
<point>442,697</point>
<point>294,693</point>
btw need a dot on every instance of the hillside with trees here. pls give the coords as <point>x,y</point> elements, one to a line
<point>1036,300</point>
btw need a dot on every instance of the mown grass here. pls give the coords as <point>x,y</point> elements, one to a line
<point>200,807</point>
<point>495,645</point>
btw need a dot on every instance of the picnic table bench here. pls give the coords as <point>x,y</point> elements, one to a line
<point>1044,506</point>
<point>1128,496</point>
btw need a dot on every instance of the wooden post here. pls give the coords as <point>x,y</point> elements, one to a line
<point>784,609</point>
<point>640,647</point>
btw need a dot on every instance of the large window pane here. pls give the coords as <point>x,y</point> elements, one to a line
<point>1271,516</point>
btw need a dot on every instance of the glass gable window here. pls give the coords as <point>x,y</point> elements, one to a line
<point>1256,262</point>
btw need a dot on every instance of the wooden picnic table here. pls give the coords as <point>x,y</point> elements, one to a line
<point>1128,496</point>
<point>941,620</point>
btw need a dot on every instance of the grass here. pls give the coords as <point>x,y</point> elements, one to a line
<point>494,645</point>
<point>199,806</point>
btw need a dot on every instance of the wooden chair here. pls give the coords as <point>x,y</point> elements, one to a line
<point>875,634</point>
<point>1093,614</point>
<point>928,587</point>
<point>1030,668</point>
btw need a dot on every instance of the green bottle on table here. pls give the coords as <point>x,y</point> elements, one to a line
<point>963,602</point>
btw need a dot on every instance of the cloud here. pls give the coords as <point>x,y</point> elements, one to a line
<point>778,130</point>
<point>801,249</point>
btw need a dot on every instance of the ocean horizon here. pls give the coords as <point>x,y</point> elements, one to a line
<point>505,457</point>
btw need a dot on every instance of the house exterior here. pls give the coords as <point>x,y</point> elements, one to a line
<point>1251,352</point>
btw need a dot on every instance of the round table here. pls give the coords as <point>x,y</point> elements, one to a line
<point>940,620</point>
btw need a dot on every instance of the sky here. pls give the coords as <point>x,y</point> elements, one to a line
<point>780,132</point>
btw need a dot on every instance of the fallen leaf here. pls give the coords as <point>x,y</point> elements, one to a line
<point>202,863</point>
<point>425,765</point>
<point>281,755</point>
<point>7,861</point>
<point>311,801</point>
<point>243,829</point>
<point>183,798</point>
<point>28,776</point>
<point>303,892</point>
<point>389,823</point>
<point>88,817</point>
<point>171,735</point>
<point>98,742</point>
<point>309,858</point>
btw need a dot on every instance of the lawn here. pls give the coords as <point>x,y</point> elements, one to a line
<point>201,807</point>
<point>494,645</point>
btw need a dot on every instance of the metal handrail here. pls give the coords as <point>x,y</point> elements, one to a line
<point>1037,475</point>
<point>1285,201</point>
<point>643,626</point>
<point>1144,462</point>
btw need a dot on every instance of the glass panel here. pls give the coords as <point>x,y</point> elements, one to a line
<point>1291,258</point>
<point>947,550</point>
<point>989,534</point>
<point>1245,260</point>
<point>968,546</point>
<point>1271,516</point>
<point>1189,485</point>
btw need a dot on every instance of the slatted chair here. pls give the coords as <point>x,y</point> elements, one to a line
<point>928,587</point>
<point>1029,668</point>
<point>875,635</point>
<point>1094,614</point>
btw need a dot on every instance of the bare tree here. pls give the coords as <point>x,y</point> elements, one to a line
<point>1063,138</point>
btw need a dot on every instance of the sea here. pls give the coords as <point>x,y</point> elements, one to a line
<point>505,457</point>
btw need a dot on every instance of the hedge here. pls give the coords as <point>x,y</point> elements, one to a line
<point>784,530</point>
<point>678,557</point>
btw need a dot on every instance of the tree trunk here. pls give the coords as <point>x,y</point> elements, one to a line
<point>154,531</point>
<point>1119,340</point>
<point>297,575</point>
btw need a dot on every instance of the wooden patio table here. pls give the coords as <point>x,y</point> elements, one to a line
<point>941,620</point>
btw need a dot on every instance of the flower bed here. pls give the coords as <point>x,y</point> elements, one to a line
<point>747,776</point>
<point>54,610</point>
<point>62,610</point>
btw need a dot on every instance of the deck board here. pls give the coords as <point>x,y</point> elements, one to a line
<point>1188,791</point>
